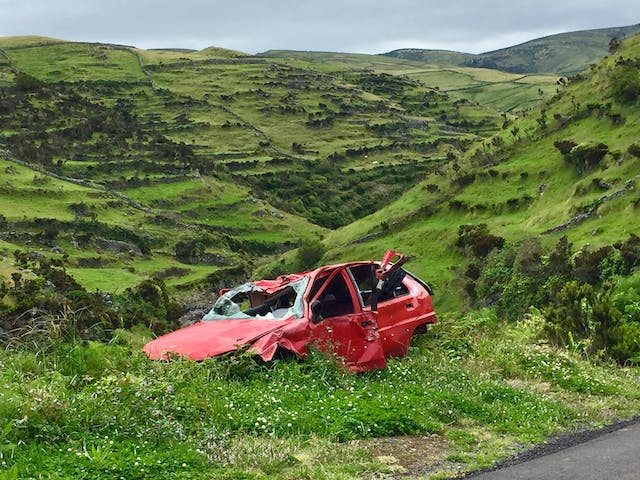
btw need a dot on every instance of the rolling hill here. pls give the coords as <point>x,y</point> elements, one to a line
<point>207,161</point>
<point>203,161</point>
<point>561,54</point>
<point>521,185</point>
<point>124,172</point>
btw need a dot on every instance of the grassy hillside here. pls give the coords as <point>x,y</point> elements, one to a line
<point>519,184</point>
<point>561,54</point>
<point>492,89</point>
<point>244,156</point>
<point>171,168</point>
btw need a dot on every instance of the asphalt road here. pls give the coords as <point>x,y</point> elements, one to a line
<point>611,453</point>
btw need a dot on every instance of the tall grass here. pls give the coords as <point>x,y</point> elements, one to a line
<point>99,410</point>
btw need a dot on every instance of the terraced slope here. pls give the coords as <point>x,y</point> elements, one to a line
<point>495,90</point>
<point>205,157</point>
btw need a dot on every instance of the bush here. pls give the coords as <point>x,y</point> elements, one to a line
<point>149,304</point>
<point>625,84</point>
<point>634,150</point>
<point>587,264</point>
<point>564,146</point>
<point>591,315</point>
<point>478,239</point>
<point>309,254</point>
<point>586,157</point>
<point>189,251</point>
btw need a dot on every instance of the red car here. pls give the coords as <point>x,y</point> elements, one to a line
<point>364,312</point>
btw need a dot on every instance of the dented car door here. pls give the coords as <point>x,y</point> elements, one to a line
<point>339,324</point>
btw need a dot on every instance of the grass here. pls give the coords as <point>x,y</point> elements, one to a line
<point>486,390</point>
<point>74,61</point>
<point>527,170</point>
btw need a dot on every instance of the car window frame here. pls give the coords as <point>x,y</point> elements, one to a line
<point>348,280</point>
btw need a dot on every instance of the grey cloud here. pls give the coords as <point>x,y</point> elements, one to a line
<point>367,26</point>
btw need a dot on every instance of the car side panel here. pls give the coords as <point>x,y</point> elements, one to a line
<point>399,317</point>
<point>351,338</point>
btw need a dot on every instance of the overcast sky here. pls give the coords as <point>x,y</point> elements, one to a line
<point>364,26</point>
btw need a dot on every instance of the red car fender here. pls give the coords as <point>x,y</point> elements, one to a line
<point>293,337</point>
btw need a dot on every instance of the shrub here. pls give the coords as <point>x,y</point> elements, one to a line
<point>189,251</point>
<point>634,150</point>
<point>559,261</point>
<point>149,304</point>
<point>309,254</point>
<point>586,266</point>
<point>564,146</point>
<point>625,84</point>
<point>630,252</point>
<point>586,157</point>
<point>591,315</point>
<point>478,239</point>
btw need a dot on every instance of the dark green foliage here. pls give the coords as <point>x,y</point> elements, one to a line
<point>584,300</point>
<point>52,304</point>
<point>149,304</point>
<point>630,252</point>
<point>329,197</point>
<point>81,210</point>
<point>570,312</point>
<point>309,254</point>
<point>559,261</point>
<point>27,83</point>
<point>584,157</point>
<point>625,83</point>
<point>564,146</point>
<point>634,150</point>
<point>478,239</point>
<point>586,267</point>
<point>581,313</point>
<point>189,251</point>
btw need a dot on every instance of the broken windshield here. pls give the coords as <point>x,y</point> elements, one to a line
<point>251,301</point>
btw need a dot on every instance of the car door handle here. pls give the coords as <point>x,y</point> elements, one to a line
<point>409,306</point>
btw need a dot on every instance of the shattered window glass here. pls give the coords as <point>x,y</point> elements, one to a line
<point>251,301</point>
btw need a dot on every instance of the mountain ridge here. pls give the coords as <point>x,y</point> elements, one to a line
<point>565,53</point>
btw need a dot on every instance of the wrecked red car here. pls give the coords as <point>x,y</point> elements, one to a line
<point>363,312</point>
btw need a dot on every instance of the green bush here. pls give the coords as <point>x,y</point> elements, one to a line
<point>478,239</point>
<point>592,316</point>
<point>586,157</point>
<point>625,83</point>
<point>309,254</point>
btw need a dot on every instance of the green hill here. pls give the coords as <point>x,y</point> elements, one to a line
<point>519,183</point>
<point>233,156</point>
<point>493,89</point>
<point>562,54</point>
<point>129,171</point>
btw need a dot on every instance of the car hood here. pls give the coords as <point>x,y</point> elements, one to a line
<point>208,339</point>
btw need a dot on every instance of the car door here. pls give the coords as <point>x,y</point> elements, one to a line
<point>397,314</point>
<point>395,308</point>
<point>340,326</point>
